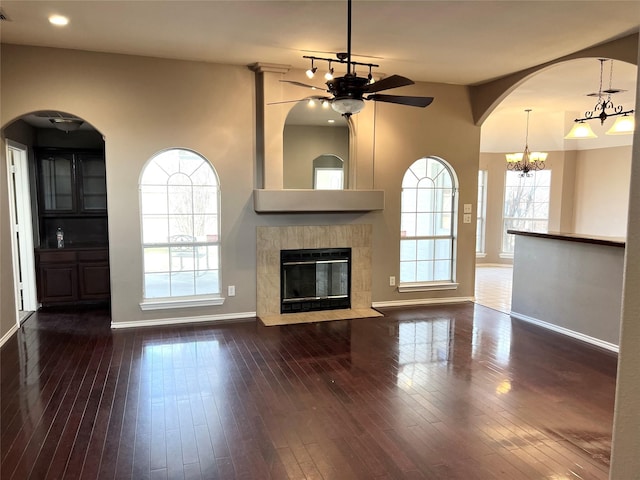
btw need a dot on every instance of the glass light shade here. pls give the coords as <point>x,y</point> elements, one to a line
<point>347,105</point>
<point>67,124</point>
<point>622,126</point>
<point>580,130</point>
<point>514,157</point>
<point>538,156</point>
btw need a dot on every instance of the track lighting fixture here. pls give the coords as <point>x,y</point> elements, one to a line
<point>329,74</point>
<point>370,77</point>
<point>312,71</point>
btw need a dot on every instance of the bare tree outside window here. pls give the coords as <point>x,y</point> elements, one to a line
<point>526,205</point>
<point>179,198</point>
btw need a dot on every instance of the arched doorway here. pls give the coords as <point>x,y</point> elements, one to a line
<point>56,167</point>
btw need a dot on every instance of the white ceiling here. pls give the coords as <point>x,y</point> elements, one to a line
<point>458,42</point>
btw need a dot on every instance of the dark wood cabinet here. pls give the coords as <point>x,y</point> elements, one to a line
<point>72,196</point>
<point>68,276</point>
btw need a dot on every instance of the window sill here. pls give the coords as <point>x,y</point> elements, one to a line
<point>180,302</point>
<point>506,255</point>
<point>426,287</point>
<point>481,255</point>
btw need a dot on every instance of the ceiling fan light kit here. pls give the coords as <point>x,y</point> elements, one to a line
<point>604,109</point>
<point>350,91</point>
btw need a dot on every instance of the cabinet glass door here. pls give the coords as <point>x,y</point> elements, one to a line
<point>57,182</point>
<point>94,183</point>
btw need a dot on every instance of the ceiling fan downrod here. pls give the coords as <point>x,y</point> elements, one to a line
<point>348,37</point>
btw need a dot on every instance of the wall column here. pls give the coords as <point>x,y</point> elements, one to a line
<point>269,125</point>
<point>625,462</point>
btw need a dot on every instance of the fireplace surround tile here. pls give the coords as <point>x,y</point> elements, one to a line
<point>270,240</point>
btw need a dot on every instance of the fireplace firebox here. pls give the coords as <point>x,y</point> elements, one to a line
<point>315,279</point>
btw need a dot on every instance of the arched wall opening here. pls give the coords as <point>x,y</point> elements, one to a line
<point>61,192</point>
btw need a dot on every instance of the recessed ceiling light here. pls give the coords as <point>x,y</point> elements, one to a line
<point>331,121</point>
<point>58,20</point>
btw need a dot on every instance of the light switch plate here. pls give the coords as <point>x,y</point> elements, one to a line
<point>467,208</point>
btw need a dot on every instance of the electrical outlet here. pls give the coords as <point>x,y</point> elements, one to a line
<point>392,281</point>
<point>466,218</point>
<point>231,290</point>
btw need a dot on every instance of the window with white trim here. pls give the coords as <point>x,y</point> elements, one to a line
<point>481,219</point>
<point>526,205</point>
<point>180,205</point>
<point>428,220</point>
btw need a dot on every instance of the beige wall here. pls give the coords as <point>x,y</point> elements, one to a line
<point>602,191</point>
<point>143,105</point>
<point>303,143</point>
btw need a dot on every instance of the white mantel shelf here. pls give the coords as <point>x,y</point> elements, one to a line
<point>317,201</point>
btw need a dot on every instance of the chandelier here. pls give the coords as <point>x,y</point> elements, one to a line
<point>604,109</point>
<point>526,161</point>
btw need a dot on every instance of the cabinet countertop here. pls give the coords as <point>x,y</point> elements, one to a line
<point>574,237</point>
<point>77,246</point>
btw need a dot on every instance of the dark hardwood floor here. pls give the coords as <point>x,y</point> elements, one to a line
<point>455,392</point>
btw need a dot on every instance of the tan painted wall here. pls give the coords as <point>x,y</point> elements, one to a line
<point>625,461</point>
<point>602,191</point>
<point>304,143</point>
<point>143,105</point>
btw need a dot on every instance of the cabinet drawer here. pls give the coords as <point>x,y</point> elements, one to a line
<point>57,256</point>
<point>93,255</point>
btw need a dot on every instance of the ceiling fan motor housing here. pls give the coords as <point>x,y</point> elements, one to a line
<point>348,86</point>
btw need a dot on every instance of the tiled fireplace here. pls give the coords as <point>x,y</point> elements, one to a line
<point>270,242</point>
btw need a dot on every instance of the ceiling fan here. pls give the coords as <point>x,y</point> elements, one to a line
<point>350,91</point>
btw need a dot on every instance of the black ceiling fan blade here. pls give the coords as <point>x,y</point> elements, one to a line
<point>402,100</point>
<point>394,81</point>
<point>300,84</point>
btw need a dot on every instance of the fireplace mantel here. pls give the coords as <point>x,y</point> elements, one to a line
<point>317,201</point>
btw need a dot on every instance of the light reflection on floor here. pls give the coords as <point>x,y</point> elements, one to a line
<point>493,287</point>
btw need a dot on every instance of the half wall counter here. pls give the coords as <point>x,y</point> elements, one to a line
<point>569,283</point>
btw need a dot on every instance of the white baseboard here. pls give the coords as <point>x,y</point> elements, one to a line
<point>421,301</point>
<point>612,347</point>
<point>220,318</point>
<point>9,334</point>
<point>494,265</point>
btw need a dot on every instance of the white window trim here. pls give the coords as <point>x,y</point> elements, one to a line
<point>165,303</point>
<point>162,303</point>
<point>426,287</point>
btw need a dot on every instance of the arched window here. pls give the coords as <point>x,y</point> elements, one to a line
<point>428,222</point>
<point>180,205</point>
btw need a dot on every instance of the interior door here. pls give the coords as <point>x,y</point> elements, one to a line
<point>21,229</point>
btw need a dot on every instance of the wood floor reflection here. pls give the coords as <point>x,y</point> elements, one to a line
<point>455,392</point>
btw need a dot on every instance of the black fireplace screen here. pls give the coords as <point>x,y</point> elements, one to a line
<point>315,279</point>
